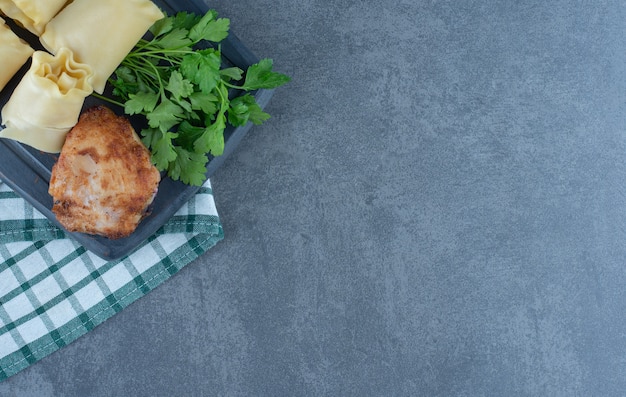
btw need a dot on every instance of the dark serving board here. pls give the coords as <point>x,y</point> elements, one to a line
<point>27,171</point>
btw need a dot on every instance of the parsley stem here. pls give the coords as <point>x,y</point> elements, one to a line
<point>229,85</point>
<point>102,97</point>
<point>174,52</point>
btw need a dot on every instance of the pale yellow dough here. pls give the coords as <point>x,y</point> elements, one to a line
<point>14,53</point>
<point>101,33</point>
<point>32,14</point>
<point>48,100</point>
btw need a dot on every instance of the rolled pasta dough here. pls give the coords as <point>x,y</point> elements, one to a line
<point>101,33</point>
<point>47,102</point>
<point>32,14</point>
<point>14,53</point>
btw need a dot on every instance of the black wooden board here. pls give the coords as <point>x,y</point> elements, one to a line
<point>27,171</point>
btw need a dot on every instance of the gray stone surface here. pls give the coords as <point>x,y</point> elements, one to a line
<point>436,208</point>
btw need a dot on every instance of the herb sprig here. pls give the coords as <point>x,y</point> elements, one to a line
<point>177,81</point>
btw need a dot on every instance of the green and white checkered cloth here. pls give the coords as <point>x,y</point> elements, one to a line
<point>52,290</point>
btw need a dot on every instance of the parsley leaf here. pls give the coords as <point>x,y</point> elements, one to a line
<point>212,138</point>
<point>161,147</point>
<point>209,28</point>
<point>178,86</point>
<point>184,20</point>
<point>233,73</point>
<point>141,102</point>
<point>162,26</point>
<point>189,167</point>
<point>243,109</point>
<point>165,116</point>
<point>188,134</point>
<point>125,74</point>
<point>202,68</point>
<point>177,38</point>
<point>204,102</point>
<point>260,75</point>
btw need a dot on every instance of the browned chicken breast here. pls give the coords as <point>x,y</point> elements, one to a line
<point>103,181</point>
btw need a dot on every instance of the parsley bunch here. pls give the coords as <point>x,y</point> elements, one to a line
<point>177,81</point>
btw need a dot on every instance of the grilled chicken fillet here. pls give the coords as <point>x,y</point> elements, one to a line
<point>103,181</point>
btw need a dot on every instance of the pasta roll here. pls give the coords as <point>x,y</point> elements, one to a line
<point>48,100</point>
<point>101,33</point>
<point>14,53</point>
<point>32,14</point>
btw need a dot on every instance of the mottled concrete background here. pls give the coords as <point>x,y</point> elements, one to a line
<point>437,208</point>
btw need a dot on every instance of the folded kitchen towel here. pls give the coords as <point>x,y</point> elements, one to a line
<point>52,290</point>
